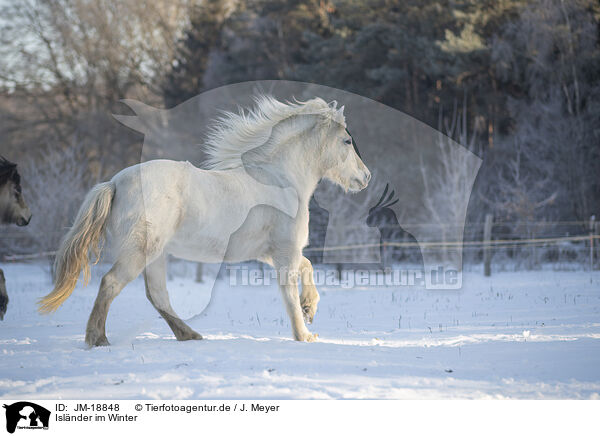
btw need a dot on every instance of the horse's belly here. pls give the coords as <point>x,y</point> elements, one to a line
<point>205,247</point>
<point>197,248</point>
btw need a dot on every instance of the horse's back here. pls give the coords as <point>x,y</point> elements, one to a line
<point>192,213</point>
<point>149,195</point>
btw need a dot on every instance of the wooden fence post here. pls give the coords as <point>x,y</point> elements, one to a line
<point>596,233</point>
<point>487,252</point>
<point>592,229</point>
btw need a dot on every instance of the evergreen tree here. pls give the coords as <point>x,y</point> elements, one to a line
<point>185,78</point>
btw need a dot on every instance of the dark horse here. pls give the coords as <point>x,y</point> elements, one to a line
<point>13,210</point>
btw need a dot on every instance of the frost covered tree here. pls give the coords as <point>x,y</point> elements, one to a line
<point>448,180</point>
<point>55,188</point>
<point>551,55</point>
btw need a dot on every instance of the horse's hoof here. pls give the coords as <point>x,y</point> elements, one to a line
<point>309,337</point>
<point>308,312</point>
<point>101,341</point>
<point>193,336</point>
<point>196,336</point>
<point>312,337</point>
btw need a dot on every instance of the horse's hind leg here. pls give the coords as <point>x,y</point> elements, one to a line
<point>126,268</point>
<point>310,296</point>
<point>156,291</point>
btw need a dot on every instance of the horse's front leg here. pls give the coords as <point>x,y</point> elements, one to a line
<point>310,296</point>
<point>3,296</point>
<point>287,275</point>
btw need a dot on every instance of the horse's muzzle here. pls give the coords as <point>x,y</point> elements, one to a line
<point>21,222</point>
<point>358,184</point>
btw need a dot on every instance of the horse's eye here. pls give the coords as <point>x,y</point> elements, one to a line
<point>348,141</point>
<point>17,190</point>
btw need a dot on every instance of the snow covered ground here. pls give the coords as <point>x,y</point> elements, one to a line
<point>514,335</point>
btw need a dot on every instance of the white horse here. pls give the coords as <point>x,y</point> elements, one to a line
<point>252,203</point>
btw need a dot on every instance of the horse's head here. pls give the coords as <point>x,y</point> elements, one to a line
<point>381,214</point>
<point>12,205</point>
<point>343,164</point>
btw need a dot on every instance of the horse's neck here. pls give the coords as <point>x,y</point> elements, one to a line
<point>304,184</point>
<point>285,172</point>
<point>302,173</point>
<point>293,162</point>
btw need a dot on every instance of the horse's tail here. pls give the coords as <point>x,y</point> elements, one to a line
<point>72,256</point>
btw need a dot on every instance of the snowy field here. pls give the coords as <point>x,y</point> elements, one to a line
<point>514,335</point>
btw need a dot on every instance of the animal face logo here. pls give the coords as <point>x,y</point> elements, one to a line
<point>26,415</point>
<point>381,214</point>
<point>419,181</point>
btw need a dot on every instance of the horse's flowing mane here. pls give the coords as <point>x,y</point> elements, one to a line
<point>233,134</point>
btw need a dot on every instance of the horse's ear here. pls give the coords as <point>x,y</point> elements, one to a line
<point>6,163</point>
<point>339,115</point>
<point>332,104</point>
